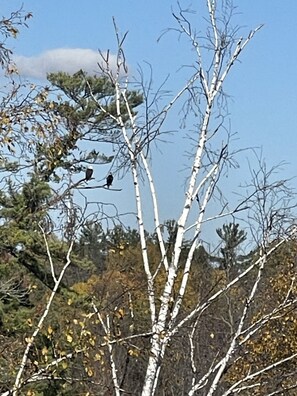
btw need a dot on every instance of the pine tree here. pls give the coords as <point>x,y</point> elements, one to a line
<point>93,245</point>
<point>81,110</point>
<point>232,237</point>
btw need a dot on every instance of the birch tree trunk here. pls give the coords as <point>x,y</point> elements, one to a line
<point>216,54</point>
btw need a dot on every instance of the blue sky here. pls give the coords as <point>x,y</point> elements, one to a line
<point>262,88</point>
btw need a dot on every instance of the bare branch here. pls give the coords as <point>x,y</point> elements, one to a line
<point>30,340</point>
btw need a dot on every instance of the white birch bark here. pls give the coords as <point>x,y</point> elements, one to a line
<point>106,328</point>
<point>160,340</point>
<point>164,323</point>
<point>31,339</point>
<point>234,342</point>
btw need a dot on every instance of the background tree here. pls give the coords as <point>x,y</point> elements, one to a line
<point>84,120</point>
<point>93,244</point>
<point>229,258</point>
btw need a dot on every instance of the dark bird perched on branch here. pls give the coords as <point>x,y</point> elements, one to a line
<point>89,173</point>
<point>109,180</point>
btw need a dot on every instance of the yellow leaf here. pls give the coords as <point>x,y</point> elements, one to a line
<point>50,330</point>
<point>5,120</point>
<point>120,313</point>
<point>133,352</point>
<point>44,351</point>
<point>51,105</point>
<point>85,333</point>
<point>69,338</point>
<point>64,364</point>
<point>89,371</point>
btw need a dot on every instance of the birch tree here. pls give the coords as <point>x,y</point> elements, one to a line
<point>216,54</point>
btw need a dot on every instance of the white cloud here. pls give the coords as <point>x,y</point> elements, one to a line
<point>68,60</point>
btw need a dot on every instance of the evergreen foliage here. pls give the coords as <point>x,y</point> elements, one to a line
<point>232,237</point>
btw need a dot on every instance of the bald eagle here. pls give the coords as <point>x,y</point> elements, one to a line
<point>89,173</point>
<point>109,180</point>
